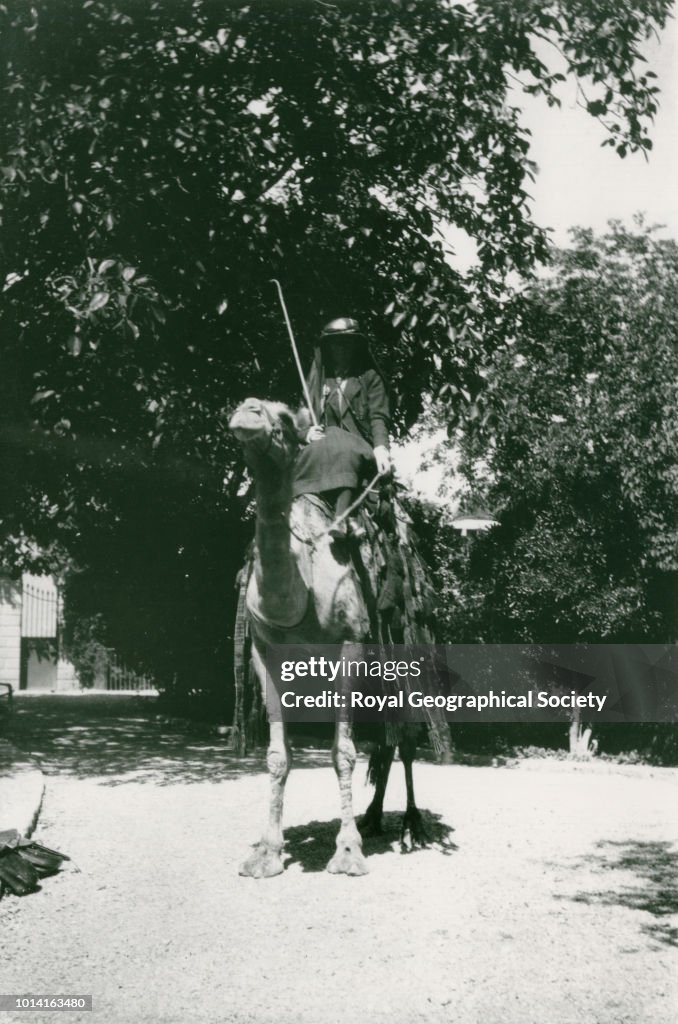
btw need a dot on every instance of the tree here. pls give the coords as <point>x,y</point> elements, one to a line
<point>582,470</point>
<point>162,161</point>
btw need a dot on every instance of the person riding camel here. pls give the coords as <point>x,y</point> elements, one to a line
<point>350,402</point>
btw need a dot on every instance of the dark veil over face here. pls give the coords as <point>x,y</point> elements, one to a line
<point>359,360</point>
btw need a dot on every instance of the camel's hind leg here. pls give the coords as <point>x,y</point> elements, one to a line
<point>378,772</point>
<point>349,859</point>
<point>413,832</point>
<point>266,858</point>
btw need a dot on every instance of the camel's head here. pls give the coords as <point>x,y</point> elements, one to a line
<point>267,430</point>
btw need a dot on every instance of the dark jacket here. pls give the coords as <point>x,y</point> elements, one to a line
<point>363,408</point>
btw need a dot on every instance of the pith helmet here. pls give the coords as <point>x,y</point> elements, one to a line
<point>344,327</point>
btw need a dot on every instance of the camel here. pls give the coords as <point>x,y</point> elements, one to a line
<point>301,593</point>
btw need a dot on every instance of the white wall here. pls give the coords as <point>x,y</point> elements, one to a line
<point>10,633</point>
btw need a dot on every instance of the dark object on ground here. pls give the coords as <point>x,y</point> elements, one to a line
<point>24,862</point>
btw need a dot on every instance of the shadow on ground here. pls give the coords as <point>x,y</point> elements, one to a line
<point>122,739</point>
<point>313,845</point>
<point>653,890</point>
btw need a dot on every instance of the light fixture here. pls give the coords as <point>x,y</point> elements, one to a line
<point>473,519</point>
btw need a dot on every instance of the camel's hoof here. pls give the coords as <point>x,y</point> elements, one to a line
<point>371,825</point>
<point>264,862</point>
<point>348,860</point>
<point>413,832</point>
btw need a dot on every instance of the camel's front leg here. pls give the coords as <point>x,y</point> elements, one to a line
<point>349,859</point>
<point>266,858</point>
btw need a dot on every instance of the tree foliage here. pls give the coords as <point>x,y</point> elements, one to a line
<point>162,161</point>
<point>582,469</point>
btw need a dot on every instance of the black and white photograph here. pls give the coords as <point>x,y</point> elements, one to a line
<point>339,511</point>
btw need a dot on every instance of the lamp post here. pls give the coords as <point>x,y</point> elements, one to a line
<point>468,521</point>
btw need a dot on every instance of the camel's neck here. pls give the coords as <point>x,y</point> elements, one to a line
<point>282,593</point>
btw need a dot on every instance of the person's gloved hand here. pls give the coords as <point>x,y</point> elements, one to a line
<point>315,434</point>
<point>383,459</point>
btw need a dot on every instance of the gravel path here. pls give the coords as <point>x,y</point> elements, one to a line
<point>550,897</point>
